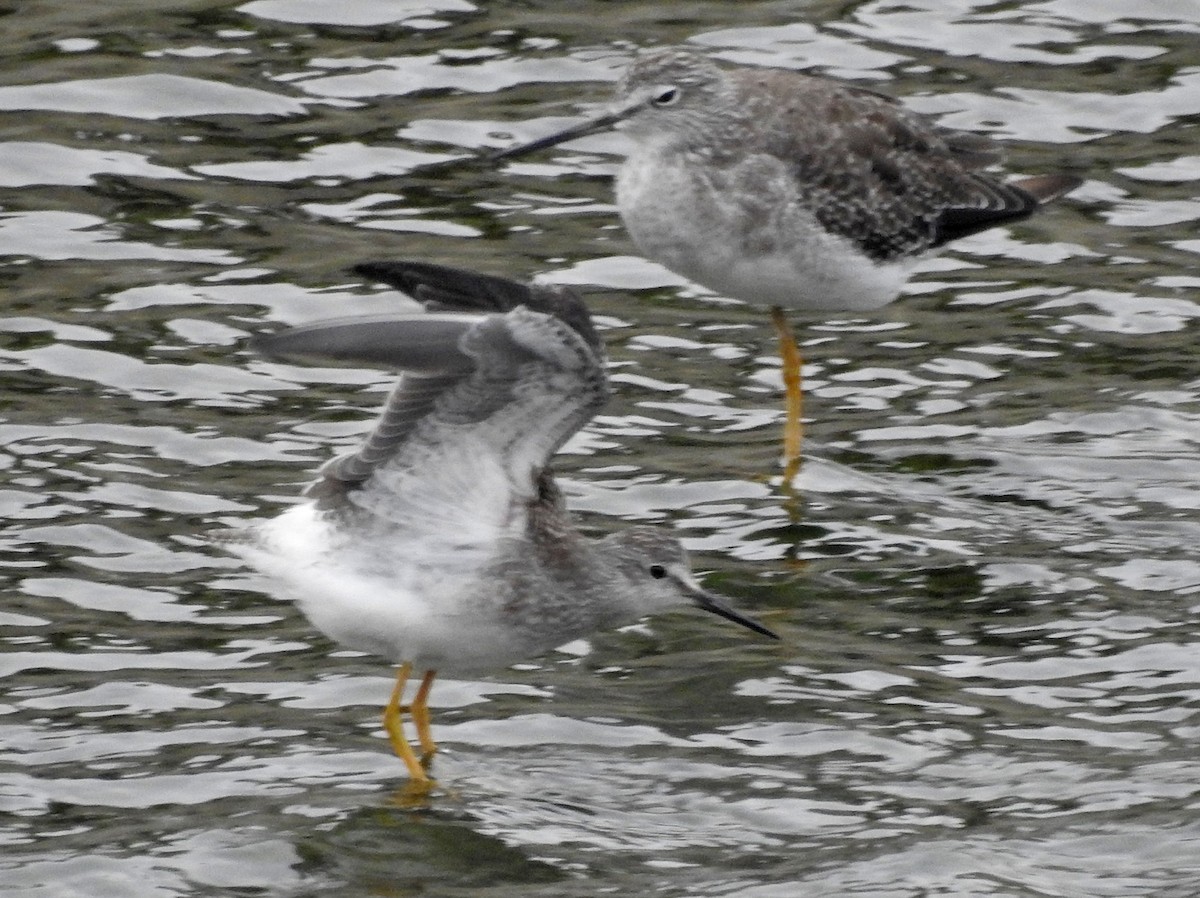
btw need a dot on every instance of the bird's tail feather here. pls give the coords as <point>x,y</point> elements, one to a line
<point>1046,188</point>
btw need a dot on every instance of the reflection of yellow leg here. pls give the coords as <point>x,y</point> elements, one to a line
<point>393,724</point>
<point>420,716</point>
<point>793,427</point>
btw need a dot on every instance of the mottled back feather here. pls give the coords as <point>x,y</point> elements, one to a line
<point>888,179</point>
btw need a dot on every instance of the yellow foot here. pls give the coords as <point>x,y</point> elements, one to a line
<point>413,794</point>
<point>393,723</point>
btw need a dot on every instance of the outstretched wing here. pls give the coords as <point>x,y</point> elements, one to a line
<point>485,398</point>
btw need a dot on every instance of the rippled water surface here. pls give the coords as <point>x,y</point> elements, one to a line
<point>986,574</point>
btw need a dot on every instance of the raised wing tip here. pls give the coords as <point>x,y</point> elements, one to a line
<point>445,287</point>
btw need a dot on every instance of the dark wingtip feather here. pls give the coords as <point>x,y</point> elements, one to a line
<point>456,289</point>
<point>1013,201</point>
<point>1047,188</point>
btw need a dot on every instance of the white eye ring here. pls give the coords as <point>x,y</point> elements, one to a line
<point>668,96</point>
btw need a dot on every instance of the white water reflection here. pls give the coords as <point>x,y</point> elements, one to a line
<point>26,163</point>
<point>72,235</point>
<point>413,13</point>
<point>148,96</point>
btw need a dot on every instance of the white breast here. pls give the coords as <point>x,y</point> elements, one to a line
<point>748,237</point>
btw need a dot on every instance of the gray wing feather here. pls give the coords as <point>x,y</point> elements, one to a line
<point>520,383</point>
<point>412,399</point>
<point>417,343</point>
<point>444,288</point>
<point>535,382</point>
<point>884,177</point>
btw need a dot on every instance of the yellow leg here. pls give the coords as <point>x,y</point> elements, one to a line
<point>420,715</point>
<point>393,724</point>
<point>793,427</point>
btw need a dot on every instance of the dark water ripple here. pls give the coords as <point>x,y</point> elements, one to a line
<point>986,573</point>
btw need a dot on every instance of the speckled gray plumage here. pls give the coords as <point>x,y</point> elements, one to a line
<point>443,539</point>
<point>892,181</point>
<point>787,189</point>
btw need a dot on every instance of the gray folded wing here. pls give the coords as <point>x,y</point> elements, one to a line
<point>890,180</point>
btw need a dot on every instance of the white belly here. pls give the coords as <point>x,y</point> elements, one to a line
<point>761,246</point>
<point>372,601</point>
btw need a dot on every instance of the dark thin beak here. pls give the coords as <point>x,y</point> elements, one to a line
<point>588,126</point>
<point>716,605</point>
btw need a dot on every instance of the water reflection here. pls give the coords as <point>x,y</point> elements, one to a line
<point>988,586</point>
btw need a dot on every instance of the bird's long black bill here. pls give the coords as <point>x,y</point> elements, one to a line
<point>582,129</point>
<point>717,606</point>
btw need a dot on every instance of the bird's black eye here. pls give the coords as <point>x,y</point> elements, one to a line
<point>668,96</point>
<point>657,571</point>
